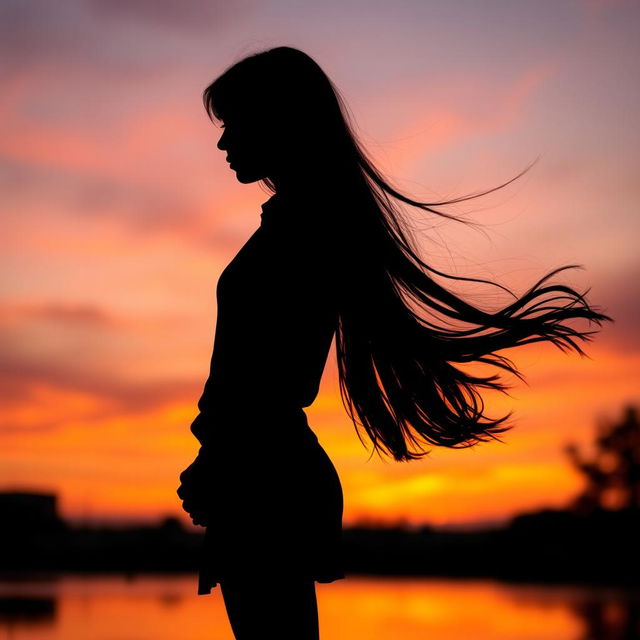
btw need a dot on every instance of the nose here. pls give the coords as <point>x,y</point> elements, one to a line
<point>222,141</point>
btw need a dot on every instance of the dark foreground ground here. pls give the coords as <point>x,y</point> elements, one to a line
<point>549,546</point>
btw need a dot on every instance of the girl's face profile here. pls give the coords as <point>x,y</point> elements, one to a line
<point>248,151</point>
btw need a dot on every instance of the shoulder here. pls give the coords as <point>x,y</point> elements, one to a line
<point>316,225</point>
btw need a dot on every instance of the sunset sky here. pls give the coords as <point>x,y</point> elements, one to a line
<point>119,214</point>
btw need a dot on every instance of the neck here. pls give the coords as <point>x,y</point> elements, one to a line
<point>292,184</point>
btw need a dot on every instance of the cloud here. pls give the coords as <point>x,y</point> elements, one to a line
<point>202,16</point>
<point>481,109</point>
<point>44,395</point>
<point>57,360</point>
<point>620,300</point>
<point>62,39</point>
<point>58,312</point>
<point>57,197</point>
<point>118,37</point>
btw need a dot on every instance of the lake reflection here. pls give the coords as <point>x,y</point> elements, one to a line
<point>167,607</point>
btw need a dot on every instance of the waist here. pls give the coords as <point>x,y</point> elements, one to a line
<point>253,425</point>
<point>247,410</point>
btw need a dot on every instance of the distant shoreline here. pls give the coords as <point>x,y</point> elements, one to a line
<point>548,547</point>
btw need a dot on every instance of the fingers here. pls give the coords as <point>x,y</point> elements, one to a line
<point>183,491</point>
<point>198,518</point>
<point>190,493</point>
<point>193,474</point>
<point>197,512</point>
<point>186,490</point>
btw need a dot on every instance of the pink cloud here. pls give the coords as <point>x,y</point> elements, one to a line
<point>435,126</point>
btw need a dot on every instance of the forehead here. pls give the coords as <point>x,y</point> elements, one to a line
<point>243,111</point>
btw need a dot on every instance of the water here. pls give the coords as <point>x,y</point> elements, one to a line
<point>166,607</point>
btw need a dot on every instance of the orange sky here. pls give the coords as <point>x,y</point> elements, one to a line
<point>120,213</point>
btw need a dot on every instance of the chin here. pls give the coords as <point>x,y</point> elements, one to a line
<point>247,178</point>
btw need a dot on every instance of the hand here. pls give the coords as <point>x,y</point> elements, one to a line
<point>197,512</point>
<point>193,491</point>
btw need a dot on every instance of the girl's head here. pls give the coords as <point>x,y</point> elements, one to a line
<point>282,119</point>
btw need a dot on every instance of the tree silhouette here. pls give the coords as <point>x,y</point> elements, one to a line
<point>612,474</point>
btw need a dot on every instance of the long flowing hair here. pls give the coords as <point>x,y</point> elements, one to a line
<point>397,367</point>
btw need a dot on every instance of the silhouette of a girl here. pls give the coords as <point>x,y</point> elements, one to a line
<point>330,256</point>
